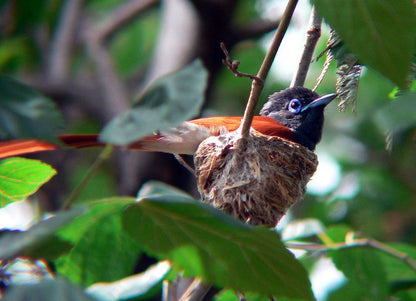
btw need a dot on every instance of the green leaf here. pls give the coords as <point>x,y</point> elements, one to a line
<point>22,177</point>
<point>396,268</point>
<point>398,115</point>
<point>13,244</point>
<point>102,250</point>
<point>168,102</point>
<point>363,268</point>
<point>24,112</point>
<point>365,271</point>
<point>50,248</point>
<point>204,241</point>
<point>380,32</point>
<point>47,290</point>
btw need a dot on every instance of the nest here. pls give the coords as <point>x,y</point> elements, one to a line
<point>257,185</point>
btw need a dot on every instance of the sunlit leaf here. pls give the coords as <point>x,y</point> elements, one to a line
<point>22,177</point>
<point>132,286</point>
<point>380,32</point>
<point>206,242</point>
<point>168,102</point>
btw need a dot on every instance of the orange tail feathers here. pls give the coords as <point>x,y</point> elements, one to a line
<point>27,146</point>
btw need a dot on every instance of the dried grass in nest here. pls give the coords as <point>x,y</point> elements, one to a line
<point>259,185</point>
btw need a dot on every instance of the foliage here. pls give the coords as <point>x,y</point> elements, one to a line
<point>22,177</point>
<point>102,243</point>
<point>24,112</point>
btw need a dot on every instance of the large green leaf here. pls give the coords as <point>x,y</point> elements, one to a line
<point>399,274</point>
<point>380,32</point>
<point>24,112</point>
<point>102,250</point>
<point>167,103</point>
<point>47,290</point>
<point>362,266</point>
<point>204,241</point>
<point>15,243</point>
<point>22,177</point>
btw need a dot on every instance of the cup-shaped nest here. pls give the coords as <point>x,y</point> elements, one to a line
<point>257,184</point>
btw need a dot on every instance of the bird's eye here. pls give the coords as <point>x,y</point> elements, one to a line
<point>295,106</point>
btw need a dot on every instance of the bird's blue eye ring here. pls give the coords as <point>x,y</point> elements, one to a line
<point>295,106</point>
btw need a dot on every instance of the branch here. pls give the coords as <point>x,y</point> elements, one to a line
<point>257,86</point>
<point>232,65</point>
<point>58,64</point>
<point>103,156</point>
<point>254,29</point>
<point>113,90</point>
<point>357,243</point>
<point>313,35</point>
<point>122,16</point>
<point>195,291</point>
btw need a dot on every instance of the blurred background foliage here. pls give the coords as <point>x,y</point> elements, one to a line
<point>93,59</point>
<point>381,198</point>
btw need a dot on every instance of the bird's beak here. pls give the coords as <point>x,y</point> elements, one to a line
<point>321,101</point>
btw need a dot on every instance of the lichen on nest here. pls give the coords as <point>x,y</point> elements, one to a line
<point>257,185</point>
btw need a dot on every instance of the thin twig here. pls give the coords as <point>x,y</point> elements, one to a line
<point>59,57</point>
<point>313,35</point>
<point>122,16</point>
<point>257,86</point>
<point>356,243</point>
<point>103,156</point>
<point>241,296</point>
<point>195,291</point>
<point>233,65</point>
<point>185,164</point>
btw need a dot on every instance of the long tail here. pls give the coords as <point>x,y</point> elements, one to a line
<point>182,140</point>
<point>27,146</point>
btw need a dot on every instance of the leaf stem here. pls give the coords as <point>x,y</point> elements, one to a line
<point>357,243</point>
<point>257,85</point>
<point>103,156</point>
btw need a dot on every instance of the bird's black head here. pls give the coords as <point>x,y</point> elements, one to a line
<point>300,109</point>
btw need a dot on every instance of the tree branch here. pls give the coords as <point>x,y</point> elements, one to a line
<point>356,243</point>
<point>254,29</point>
<point>122,16</point>
<point>58,64</point>
<point>313,35</point>
<point>195,291</point>
<point>232,65</point>
<point>257,86</point>
<point>114,93</point>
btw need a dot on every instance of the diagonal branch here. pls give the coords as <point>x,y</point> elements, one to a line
<point>313,35</point>
<point>58,64</point>
<point>356,243</point>
<point>254,29</point>
<point>257,86</point>
<point>123,16</point>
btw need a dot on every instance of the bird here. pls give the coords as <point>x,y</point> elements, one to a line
<point>295,114</point>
